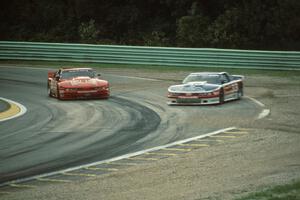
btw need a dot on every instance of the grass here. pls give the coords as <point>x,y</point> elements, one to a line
<point>53,64</point>
<point>282,192</point>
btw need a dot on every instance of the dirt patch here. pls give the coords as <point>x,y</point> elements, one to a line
<point>267,156</point>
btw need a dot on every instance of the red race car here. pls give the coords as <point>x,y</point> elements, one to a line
<point>77,83</point>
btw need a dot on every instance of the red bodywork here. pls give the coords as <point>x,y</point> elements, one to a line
<point>77,87</point>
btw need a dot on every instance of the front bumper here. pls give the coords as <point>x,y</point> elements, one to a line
<point>193,101</point>
<point>89,94</point>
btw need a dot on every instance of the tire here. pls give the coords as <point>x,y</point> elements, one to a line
<point>221,97</point>
<point>58,94</point>
<point>49,91</point>
<point>240,93</point>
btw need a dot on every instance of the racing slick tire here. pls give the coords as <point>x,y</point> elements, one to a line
<point>58,94</point>
<point>49,91</point>
<point>221,97</point>
<point>240,93</point>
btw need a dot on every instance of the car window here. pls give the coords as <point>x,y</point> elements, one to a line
<point>209,78</point>
<point>76,73</point>
<point>224,78</point>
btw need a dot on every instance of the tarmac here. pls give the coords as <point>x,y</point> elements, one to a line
<point>4,106</point>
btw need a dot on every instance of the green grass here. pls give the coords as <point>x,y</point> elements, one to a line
<point>278,73</point>
<point>282,192</point>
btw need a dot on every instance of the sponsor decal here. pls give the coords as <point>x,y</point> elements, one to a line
<point>78,82</point>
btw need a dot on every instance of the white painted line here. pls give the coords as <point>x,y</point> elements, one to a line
<point>54,180</point>
<point>23,109</point>
<point>263,114</point>
<point>126,156</point>
<point>256,101</point>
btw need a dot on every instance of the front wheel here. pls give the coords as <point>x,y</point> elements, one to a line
<point>221,97</point>
<point>49,91</point>
<point>57,94</point>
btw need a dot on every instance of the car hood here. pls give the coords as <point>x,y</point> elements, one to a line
<point>194,87</point>
<point>83,82</point>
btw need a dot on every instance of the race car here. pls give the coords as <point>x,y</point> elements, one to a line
<point>206,88</point>
<point>77,83</point>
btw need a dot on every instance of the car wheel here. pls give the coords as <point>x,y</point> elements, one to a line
<point>58,94</point>
<point>221,97</point>
<point>49,91</point>
<point>240,93</point>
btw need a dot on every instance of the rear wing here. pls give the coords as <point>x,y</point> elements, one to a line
<point>237,77</point>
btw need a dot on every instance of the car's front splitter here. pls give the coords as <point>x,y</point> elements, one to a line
<point>189,101</point>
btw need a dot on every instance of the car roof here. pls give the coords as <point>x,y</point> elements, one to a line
<point>203,73</point>
<point>74,69</point>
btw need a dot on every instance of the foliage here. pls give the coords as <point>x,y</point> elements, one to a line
<point>282,192</point>
<point>243,24</point>
<point>192,31</point>
<point>88,32</point>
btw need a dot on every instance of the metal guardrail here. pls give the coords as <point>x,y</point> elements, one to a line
<point>139,55</point>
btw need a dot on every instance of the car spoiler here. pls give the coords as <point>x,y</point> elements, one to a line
<point>238,77</point>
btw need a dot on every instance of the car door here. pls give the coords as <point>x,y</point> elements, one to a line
<point>230,88</point>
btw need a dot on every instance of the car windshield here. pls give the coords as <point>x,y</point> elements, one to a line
<point>75,73</point>
<point>209,78</point>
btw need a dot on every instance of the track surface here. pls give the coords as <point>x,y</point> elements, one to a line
<point>57,134</point>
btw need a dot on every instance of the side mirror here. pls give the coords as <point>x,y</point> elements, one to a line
<point>57,77</point>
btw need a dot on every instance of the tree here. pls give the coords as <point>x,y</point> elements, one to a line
<point>88,32</point>
<point>246,24</point>
<point>192,31</point>
<point>227,30</point>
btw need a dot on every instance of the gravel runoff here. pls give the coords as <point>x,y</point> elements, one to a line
<point>267,156</point>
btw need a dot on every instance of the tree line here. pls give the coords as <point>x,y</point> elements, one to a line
<point>241,24</point>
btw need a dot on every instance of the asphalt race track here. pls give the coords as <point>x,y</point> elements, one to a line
<point>55,134</point>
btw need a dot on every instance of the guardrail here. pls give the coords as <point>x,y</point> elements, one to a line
<point>139,55</point>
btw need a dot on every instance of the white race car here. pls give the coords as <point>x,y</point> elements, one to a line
<point>206,88</point>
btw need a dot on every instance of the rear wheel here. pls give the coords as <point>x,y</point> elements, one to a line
<point>240,93</point>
